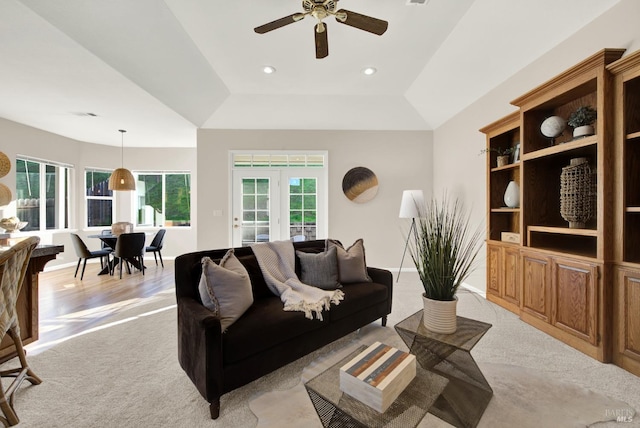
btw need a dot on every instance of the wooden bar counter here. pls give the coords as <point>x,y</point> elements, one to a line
<point>27,304</point>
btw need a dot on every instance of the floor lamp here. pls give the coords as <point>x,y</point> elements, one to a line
<point>412,200</point>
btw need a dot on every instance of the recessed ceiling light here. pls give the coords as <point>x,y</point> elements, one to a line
<point>267,69</point>
<point>369,71</point>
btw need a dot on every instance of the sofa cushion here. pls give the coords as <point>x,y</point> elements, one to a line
<point>320,269</point>
<point>358,296</point>
<point>263,325</point>
<point>352,266</point>
<point>225,289</point>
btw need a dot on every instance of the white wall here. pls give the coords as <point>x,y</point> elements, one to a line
<point>400,160</point>
<point>458,142</point>
<point>19,139</point>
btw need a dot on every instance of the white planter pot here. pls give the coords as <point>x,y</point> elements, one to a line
<point>583,131</point>
<point>440,316</point>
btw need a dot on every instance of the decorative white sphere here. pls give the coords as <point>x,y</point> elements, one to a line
<point>553,126</point>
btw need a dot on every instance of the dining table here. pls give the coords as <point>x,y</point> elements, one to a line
<point>110,240</point>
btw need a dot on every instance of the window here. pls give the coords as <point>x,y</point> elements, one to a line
<point>99,198</point>
<point>163,199</point>
<point>302,208</point>
<point>42,193</point>
<point>256,194</point>
<point>278,160</point>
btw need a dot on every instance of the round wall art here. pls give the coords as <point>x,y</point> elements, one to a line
<point>360,184</point>
<point>5,195</point>
<point>5,165</point>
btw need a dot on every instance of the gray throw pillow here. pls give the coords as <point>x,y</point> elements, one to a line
<point>225,289</point>
<point>319,269</point>
<point>352,266</point>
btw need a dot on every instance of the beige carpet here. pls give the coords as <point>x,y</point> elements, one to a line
<point>127,375</point>
<point>522,397</point>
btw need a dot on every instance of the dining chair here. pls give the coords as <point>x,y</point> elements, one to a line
<point>104,245</point>
<point>85,254</point>
<point>130,249</point>
<point>13,267</point>
<point>156,246</point>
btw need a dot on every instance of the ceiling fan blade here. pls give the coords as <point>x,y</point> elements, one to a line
<point>273,25</point>
<point>322,41</point>
<point>363,22</point>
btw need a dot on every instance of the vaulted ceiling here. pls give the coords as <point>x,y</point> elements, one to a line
<point>164,68</point>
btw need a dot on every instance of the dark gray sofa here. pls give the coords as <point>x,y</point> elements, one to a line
<point>266,337</point>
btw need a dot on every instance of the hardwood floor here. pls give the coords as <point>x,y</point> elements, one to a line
<point>69,306</point>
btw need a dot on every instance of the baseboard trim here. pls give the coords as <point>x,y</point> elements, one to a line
<point>469,287</point>
<point>91,261</point>
<point>474,290</point>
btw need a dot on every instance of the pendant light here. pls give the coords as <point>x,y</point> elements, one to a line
<point>121,178</point>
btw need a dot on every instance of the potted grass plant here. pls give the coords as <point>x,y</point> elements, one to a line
<point>444,247</point>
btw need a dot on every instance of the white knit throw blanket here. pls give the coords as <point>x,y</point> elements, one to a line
<point>277,263</point>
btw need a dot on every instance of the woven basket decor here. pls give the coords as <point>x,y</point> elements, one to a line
<point>577,205</point>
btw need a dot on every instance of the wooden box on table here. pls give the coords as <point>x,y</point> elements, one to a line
<point>378,375</point>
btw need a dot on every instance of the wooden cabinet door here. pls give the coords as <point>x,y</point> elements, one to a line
<point>627,308</point>
<point>575,301</point>
<point>494,269</point>
<point>511,266</point>
<point>536,285</point>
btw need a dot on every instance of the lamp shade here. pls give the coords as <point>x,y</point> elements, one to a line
<point>412,200</point>
<point>122,179</point>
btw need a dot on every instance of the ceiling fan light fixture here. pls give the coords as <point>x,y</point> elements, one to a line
<point>369,71</point>
<point>321,9</point>
<point>267,69</point>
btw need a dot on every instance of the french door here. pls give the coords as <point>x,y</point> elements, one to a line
<point>275,204</point>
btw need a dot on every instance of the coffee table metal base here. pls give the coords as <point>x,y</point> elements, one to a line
<point>337,409</point>
<point>468,393</point>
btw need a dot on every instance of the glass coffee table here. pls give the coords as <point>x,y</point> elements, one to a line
<point>337,409</point>
<point>468,393</point>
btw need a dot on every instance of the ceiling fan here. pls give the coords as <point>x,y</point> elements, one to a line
<point>321,9</point>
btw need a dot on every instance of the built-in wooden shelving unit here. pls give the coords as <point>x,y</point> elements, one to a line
<point>558,278</point>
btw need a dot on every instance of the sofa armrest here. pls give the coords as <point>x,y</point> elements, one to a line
<point>381,276</point>
<point>384,277</point>
<point>200,347</point>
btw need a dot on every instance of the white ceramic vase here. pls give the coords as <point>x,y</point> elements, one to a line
<point>512,195</point>
<point>440,316</point>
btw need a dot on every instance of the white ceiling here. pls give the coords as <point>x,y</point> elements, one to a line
<point>163,68</point>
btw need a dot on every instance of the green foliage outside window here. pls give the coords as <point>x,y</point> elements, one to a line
<point>178,202</point>
<point>171,197</point>
<point>153,191</point>
<point>302,201</point>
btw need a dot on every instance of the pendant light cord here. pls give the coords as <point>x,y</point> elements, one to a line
<point>122,148</point>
